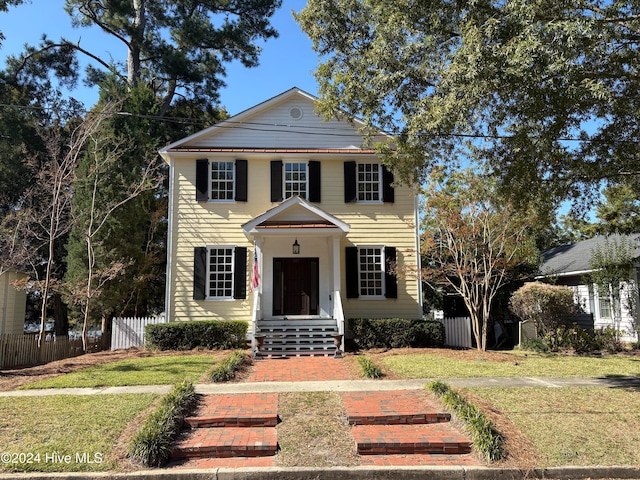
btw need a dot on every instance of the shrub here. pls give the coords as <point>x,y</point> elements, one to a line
<point>583,341</point>
<point>369,368</point>
<point>151,445</point>
<point>486,439</point>
<point>213,334</point>
<point>535,345</point>
<point>546,305</point>
<point>396,333</point>
<point>227,368</point>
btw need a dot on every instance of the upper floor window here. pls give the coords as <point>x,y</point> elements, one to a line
<point>221,180</point>
<point>295,180</point>
<point>369,182</point>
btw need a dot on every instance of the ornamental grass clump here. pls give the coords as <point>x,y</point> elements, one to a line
<point>486,439</point>
<point>227,368</point>
<point>369,368</point>
<point>151,445</point>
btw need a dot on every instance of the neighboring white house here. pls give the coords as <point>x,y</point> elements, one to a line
<point>12,305</point>
<point>570,265</point>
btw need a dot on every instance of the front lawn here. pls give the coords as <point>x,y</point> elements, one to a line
<point>572,426</point>
<point>64,433</point>
<point>153,370</point>
<point>470,363</point>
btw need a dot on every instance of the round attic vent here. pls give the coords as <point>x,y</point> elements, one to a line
<point>296,113</point>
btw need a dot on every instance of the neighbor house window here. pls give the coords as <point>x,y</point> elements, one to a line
<point>369,182</point>
<point>295,180</point>
<point>371,271</point>
<point>222,180</point>
<point>220,272</point>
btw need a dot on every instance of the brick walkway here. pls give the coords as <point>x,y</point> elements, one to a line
<point>396,419</point>
<point>299,369</point>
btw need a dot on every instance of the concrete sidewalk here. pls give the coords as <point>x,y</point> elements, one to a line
<point>344,386</point>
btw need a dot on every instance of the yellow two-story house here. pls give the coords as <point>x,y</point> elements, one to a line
<point>285,220</point>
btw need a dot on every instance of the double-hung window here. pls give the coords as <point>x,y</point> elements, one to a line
<point>371,272</point>
<point>289,179</point>
<point>368,182</point>
<point>220,272</point>
<point>295,179</point>
<point>221,180</point>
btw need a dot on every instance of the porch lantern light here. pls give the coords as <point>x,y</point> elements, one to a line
<point>295,248</point>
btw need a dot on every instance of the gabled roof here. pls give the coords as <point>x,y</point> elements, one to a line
<point>295,213</point>
<point>266,126</point>
<point>575,258</point>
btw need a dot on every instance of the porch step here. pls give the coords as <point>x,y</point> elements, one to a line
<point>299,336</point>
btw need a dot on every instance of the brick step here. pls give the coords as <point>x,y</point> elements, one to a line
<point>236,410</point>
<point>435,438</point>
<point>391,408</point>
<point>226,442</point>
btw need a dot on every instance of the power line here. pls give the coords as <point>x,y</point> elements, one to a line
<point>272,127</point>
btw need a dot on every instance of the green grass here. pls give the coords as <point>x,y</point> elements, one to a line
<point>531,365</point>
<point>573,426</point>
<point>48,431</point>
<point>155,370</point>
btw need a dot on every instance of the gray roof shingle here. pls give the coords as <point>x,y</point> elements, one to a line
<point>575,257</point>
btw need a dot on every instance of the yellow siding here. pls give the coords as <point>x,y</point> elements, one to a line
<point>199,224</point>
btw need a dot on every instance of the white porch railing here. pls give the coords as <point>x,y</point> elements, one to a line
<point>338,314</point>
<point>255,316</point>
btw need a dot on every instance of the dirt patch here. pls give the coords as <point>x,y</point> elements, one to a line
<point>14,378</point>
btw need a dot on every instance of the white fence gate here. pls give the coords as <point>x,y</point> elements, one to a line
<point>127,332</point>
<point>458,332</point>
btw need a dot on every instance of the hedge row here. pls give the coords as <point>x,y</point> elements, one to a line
<point>396,333</point>
<point>213,334</point>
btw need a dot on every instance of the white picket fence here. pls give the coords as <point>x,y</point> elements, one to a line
<point>127,332</point>
<point>457,331</point>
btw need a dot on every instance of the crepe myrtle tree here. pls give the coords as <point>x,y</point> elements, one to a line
<point>474,243</point>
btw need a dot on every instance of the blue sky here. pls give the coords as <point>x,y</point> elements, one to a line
<point>286,62</point>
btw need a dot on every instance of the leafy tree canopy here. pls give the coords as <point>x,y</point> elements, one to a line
<point>546,91</point>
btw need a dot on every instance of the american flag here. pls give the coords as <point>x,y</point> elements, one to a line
<point>255,275</point>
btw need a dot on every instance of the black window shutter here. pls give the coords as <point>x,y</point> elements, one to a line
<point>240,273</point>
<point>202,180</point>
<point>350,187</point>
<point>390,277</point>
<point>314,181</point>
<point>351,264</point>
<point>199,273</point>
<point>276,181</point>
<point>388,192</point>
<point>241,180</point>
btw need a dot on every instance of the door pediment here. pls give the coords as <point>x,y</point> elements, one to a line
<point>295,213</point>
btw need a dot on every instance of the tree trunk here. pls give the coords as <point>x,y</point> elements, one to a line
<point>60,315</point>
<point>133,56</point>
